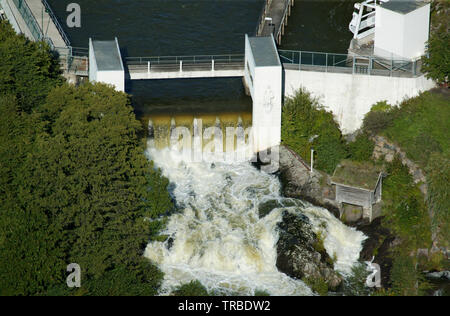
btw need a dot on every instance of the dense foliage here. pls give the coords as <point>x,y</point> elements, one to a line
<point>193,288</point>
<point>305,125</point>
<point>361,149</point>
<point>75,184</point>
<point>420,127</point>
<point>437,62</point>
<point>404,207</point>
<point>438,179</point>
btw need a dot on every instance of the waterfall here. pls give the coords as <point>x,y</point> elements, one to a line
<point>217,236</point>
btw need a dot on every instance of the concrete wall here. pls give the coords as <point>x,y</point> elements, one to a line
<point>249,68</point>
<point>115,78</point>
<point>417,26</point>
<point>112,77</point>
<point>350,97</point>
<point>265,87</point>
<point>401,35</point>
<point>92,63</point>
<point>266,113</point>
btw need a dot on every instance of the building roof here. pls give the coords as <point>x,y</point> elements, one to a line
<point>264,51</point>
<point>363,175</point>
<point>403,6</point>
<point>107,55</point>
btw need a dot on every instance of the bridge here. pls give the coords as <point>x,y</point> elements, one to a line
<point>179,67</point>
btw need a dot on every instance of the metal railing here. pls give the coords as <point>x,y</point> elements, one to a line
<point>52,15</point>
<point>262,17</point>
<point>74,60</point>
<point>186,63</point>
<point>30,20</point>
<point>342,63</point>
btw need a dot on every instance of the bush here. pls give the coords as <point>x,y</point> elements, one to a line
<point>355,284</point>
<point>436,63</point>
<point>305,125</point>
<point>261,293</point>
<point>404,207</point>
<point>438,178</point>
<point>362,148</point>
<point>376,122</point>
<point>318,285</point>
<point>406,280</point>
<point>193,288</point>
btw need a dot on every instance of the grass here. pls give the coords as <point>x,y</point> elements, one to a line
<point>421,126</point>
<point>357,174</point>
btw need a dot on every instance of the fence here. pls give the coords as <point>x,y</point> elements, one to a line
<point>186,63</point>
<point>342,63</point>
<point>262,17</point>
<point>74,60</point>
<point>63,34</point>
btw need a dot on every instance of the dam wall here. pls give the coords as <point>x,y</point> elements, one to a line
<point>350,96</point>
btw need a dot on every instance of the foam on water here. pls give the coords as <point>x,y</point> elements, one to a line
<point>218,237</point>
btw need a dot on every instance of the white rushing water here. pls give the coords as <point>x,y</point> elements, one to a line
<point>218,237</point>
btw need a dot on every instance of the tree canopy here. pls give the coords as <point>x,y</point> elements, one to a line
<point>75,184</point>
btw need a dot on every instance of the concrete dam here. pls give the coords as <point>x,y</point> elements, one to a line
<point>346,84</point>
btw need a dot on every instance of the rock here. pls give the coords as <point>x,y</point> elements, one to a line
<point>298,253</point>
<point>443,275</point>
<point>298,182</point>
<point>379,244</point>
<point>266,207</point>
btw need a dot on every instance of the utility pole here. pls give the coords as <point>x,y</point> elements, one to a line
<point>312,159</point>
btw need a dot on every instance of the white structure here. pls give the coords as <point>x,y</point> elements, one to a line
<point>263,76</point>
<point>362,24</point>
<point>402,29</point>
<point>105,63</point>
<point>349,97</point>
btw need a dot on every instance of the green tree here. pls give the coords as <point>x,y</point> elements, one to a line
<point>362,148</point>
<point>306,124</point>
<point>193,288</point>
<point>28,69</point>
<point>75,184</point>
<point>94,178</point>
<point>436,64</point>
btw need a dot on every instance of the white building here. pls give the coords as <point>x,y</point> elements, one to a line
<point>263,77</point>
<point>401,29</point>
<point>105,63</point>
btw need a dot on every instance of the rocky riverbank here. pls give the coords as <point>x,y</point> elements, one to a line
<point>299,182</point>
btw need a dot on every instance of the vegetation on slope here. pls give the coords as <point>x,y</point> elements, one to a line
<point>420,127</point>
<point>437,62</point>
<point>75,184</point>
<point>305,125</point>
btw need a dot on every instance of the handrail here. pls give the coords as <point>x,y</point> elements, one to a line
<point>29,19</point>
<point>330,62</point>
<point>195,59</point>
<point>56,22</point>
<point>280,27</point>
<point>262,17</point>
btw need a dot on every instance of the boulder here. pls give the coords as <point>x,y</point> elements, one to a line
<point>299,252</point>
